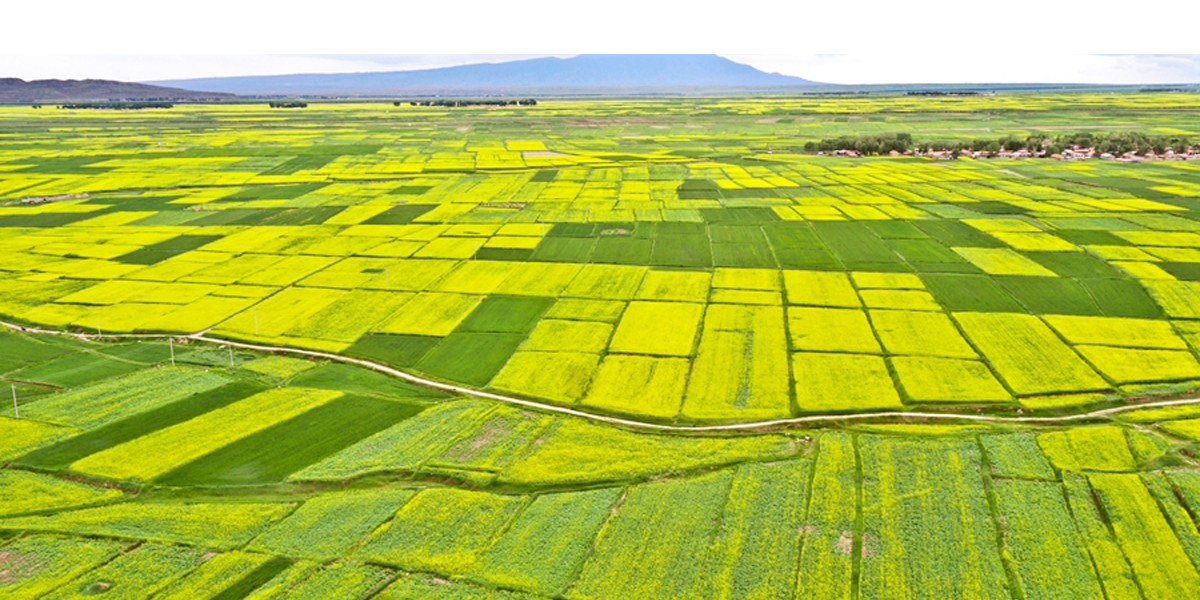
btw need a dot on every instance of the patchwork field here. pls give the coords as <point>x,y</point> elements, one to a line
<point>603,309</point>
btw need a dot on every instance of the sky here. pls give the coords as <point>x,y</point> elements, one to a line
<point>866,41</point>
<point>835,68</point>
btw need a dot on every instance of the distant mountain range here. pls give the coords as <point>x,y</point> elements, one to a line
<point>94,90</point>
<point>580,74</point>
<point>583,75</point>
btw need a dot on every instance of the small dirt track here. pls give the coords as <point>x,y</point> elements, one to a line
<point>751,426</point>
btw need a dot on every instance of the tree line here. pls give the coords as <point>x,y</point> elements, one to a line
<point>288,104</point>
<point>459,103</point>
<point>115,105</point>
<point>864,144</point>
<point>1117,143</point>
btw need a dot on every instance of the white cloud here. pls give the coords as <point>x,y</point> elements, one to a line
<point>915,32</point>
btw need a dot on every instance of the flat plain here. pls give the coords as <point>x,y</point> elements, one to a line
<point>688,359</point>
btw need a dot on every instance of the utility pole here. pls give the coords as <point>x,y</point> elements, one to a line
<point>171,342</point>
<point>230,357</point>
<point>99,334</point>
<point>16,411</point>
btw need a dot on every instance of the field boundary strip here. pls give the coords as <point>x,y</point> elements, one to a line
<point>747,426</point>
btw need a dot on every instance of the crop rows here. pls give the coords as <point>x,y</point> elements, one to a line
<point>665,261</point>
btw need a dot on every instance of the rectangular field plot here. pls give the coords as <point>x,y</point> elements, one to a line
<point>1052,561</point>
<point>568,335</point>
<point>1002,261</point>
<point>201,314</point>
<point>557,376</point>
<point>39,564</point>
<point>343,579</point>
<point>1159,562</point>
<point>161,451</point>
<point>506,314</point>
<point>441,529</point>
<point>470,358</point>
<point>899,299</point>
<point>756,551</point>
<point>288,271</point>
<point>1133,365</point>
<point>1177,298</point>
<point>639,385</point>
<point>222,574</point>
<point>350,316</point>
<point>970,293</point>
<point>574,451</point>
<point>18,436</point>
<point>928,531</point>
<point>1101,448</point>
<point>831,330</point>
<point>495,442</point>
<point>430,313</point>
<point>827,549</point>
<point>394,350</point>
<point>405,275</point>
<point>403,446</point>
<point>678,286</point>
<point>920,333</point>
<point>1017,456</point>
<point>141,571</point>
<point>657,328</point>
<point>1044,295</point>
<point>477,277</point>
<point>273,453</point>
<point>654,546</point>
<point>1027,354</point>
<point>829,381</point>
<point>328,526</point>
<point>539,279</point>
<point>115,399</point>
<point>26,492</point>
<point>286,309</point>
<point>1110,563</point>
<point>74,370</point>
<point>763,280</point>
<point>221,526</point>
<point>930,379</point>
<point>544,548</point>
<point>606,282</point>
<point>429,587</point>
<point>741,365</point>
<point>1111,331</point>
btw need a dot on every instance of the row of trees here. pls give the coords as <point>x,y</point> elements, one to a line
<point>288,104</point>
<point>115,105</point>
<point>864,144</point>
<point>457,103</point>
<point>945,93</point>
<point>1111,143</point>
<point>1122,142</point>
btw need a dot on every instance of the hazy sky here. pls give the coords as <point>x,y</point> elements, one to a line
<point>865,41</point>
<point>838,68</point>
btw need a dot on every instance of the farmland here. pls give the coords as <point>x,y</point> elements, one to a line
<point>596,349</point>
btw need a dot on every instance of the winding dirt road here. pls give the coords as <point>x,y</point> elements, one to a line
<point>533,404</point>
